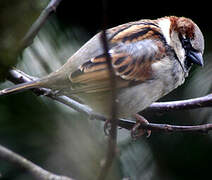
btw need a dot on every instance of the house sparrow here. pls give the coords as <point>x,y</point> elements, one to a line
<point>150,58</point>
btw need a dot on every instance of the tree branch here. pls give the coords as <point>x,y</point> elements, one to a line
<point>35,170</point>
<point>16,76</point>
<point>201,102</point>
<point>35,28</point>
<point>112,138</point>
<point>173,128</point>
<point>5,153</point>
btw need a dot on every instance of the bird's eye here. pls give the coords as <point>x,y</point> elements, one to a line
<point>192,56</point>
<point>186,43</point>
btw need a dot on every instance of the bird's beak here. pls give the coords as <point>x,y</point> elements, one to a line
<point>196,58</point>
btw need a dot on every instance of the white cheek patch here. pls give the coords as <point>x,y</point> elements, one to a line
<point>165,28</point>
<point>172,39</point>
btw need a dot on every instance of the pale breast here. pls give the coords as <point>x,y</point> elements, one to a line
<point>167,76</point>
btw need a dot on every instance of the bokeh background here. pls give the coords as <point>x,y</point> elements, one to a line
<point>65,142</point>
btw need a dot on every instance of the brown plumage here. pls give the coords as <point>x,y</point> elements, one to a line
<point>150,58</point>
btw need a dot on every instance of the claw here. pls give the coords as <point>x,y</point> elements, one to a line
<point>137,131</point>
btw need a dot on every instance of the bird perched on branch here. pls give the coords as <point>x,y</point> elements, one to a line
<point>150,58</point>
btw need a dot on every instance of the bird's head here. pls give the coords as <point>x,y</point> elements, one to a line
<point>185,37</point>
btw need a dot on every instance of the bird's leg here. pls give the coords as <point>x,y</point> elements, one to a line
<point>137,130</point>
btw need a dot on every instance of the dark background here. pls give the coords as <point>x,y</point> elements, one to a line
<point>65,142</point>
<point>89,13</point>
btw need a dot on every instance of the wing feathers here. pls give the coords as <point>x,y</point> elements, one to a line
<point>93,76</point>
<point>133,49</point>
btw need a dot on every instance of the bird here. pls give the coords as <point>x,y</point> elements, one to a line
<point>149,58</point>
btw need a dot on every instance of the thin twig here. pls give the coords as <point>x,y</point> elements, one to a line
<point>5,153</point>
<point>201,102</point>
<point>204,128</point>
<point>35,170</point>
<point>112,138</point>
<point>16,76</point>
<point>35,28</point>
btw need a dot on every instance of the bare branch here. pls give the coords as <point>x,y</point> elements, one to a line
<point>201,102</point>
<point>17,76</point>
<point>112,139</point>
<point>35,170</point>
<point>35,28</point>
<point>173,128</point>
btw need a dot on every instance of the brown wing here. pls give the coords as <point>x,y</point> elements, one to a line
<point>134,47</point>
<point>131,62</point>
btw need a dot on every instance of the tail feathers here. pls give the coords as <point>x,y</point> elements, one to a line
<point>20,87</point>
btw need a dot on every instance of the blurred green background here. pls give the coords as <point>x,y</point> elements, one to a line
<point>65,142</point>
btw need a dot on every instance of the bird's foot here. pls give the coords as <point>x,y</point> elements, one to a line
<point>137,130</point>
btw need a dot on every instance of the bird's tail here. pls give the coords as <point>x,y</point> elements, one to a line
<point>20,87</point>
